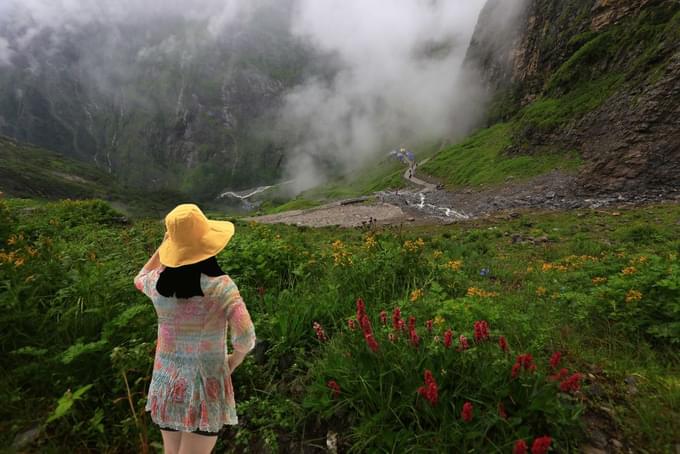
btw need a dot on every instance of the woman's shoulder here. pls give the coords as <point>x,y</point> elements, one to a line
<point>218,285</point>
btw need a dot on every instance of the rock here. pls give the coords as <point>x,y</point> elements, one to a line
<point>550,195</point>
<point>630,380</point>
<point>616,443</point>
<point>411,219</point>
<point>25,439</point>
<point>598,438</point>
<point>595,391</point>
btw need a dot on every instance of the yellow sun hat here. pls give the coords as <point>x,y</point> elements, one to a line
<point>191,237</point>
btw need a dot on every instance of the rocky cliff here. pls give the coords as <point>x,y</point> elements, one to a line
<point>598,76</point>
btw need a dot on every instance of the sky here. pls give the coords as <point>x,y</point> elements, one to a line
<point>397,75</point>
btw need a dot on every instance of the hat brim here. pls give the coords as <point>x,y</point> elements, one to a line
<point>174,255</point>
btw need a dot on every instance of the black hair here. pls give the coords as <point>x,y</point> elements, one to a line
<point>185,281</point>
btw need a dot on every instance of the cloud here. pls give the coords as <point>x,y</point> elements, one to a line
<point>5,52</point>
<point>400,80</point>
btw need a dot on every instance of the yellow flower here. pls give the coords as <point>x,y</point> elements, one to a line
<point>414,246</point>
<point>629,270</point>
<point>541,291</point>
<point>369,242</point>
<point>633,296</point>
<point>19,261</point>
<point>473,291</point>
<point>599,280</point>
<point>32,251</point>
<point>438,320</point>
<point>416,294</point>
<point>12,240</point>
<point>455,265</point>
<point>530,269</point>
<point>437,254</point>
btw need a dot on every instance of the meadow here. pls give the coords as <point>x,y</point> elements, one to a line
<point>549,330</point>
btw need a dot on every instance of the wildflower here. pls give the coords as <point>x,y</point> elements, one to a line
<point>481,330</point>
<point>320,334</point>
<point>414,246</point>
<point>629,271</point>
<point>351,324</point>
<point>633,296</point>
<point>335,388</point>
<point>455,265</point>
<point>571,384</point>
<point>371,342</point>
<point>437,254</point>
<point>401,326</point>
<point>12,240</point>
<point>428,325</point>
<point>501,411</point>
<point>436,339</point>
<point>361,309</point>
<point>473,291</point>
<point>32,251</point>
<point>464,345</point>
<point>19,262</point>
<point>599,280</point>
<point>369,242</point>
<point>365,324</point>
<point>415,339</point>
<point>438,320</point>
<point>530,269</point>
<point>541,445</point>
<point>466,413</point>
<point>396,317</point>
<point>448,338</point>
<point>430,390</point>
<point>541,291</point>
<point>503,344</point>
<point>514,373</point>
<point>261,291</point>
<point>411,323</point>
<point>559,375</point>
<point>520,447</point>
<point>484,272</point>
<point>416,295</point>
<point>555,359</point>
<point>383,318</point>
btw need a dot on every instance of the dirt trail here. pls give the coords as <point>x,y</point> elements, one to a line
<point>429,205</point>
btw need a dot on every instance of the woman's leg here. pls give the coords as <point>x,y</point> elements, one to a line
<point>171,441</point>
<point>197,444</point>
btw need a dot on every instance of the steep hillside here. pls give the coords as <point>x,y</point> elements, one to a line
<point>598,77</point>
<point>161,104</point>
<point>33,172</point>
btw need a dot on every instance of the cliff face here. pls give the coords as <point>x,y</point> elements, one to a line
<point>598,76</point>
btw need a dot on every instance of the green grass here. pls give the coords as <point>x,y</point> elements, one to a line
<point>480,160</point>
<point>62,328</point>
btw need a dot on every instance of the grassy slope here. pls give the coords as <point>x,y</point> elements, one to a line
<point>629,53</point>
<point>538,310</point>
<point>30,171</point>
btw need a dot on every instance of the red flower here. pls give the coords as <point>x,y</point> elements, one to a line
<point>351,324</point>
<point>501,411</point>
<point>400,325</point>
<point>320,334</point>
<point>383,318</point>
<point>448,338</point>
<point>365,324</point>
<point>372,343</point>
<point>396,318</point>
<point>520,447</point>
<point>559,375</point>
<point>541,445</point>
<point>571,384</point>
<point>361,308</point>
<point>514,373</point>
<point>464,345</point>
<point>503,344</point>
<point>335,388</point>
<point>481,330</point>
<point>526,360</point>
<point>555,359</point>
<point>411,323</point>
<point>466,414</point>
<point>428,325</point>
<point>415,339</point>
<point>430,390</point>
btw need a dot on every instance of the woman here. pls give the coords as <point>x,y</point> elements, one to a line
<point>191,395</point>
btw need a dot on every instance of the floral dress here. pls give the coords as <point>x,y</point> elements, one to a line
<point>191,383</point>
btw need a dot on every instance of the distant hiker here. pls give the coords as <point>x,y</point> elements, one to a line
<point>191,396</point>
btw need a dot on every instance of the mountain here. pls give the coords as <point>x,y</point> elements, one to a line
<point>160,104</point>
<point>600,77</point>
